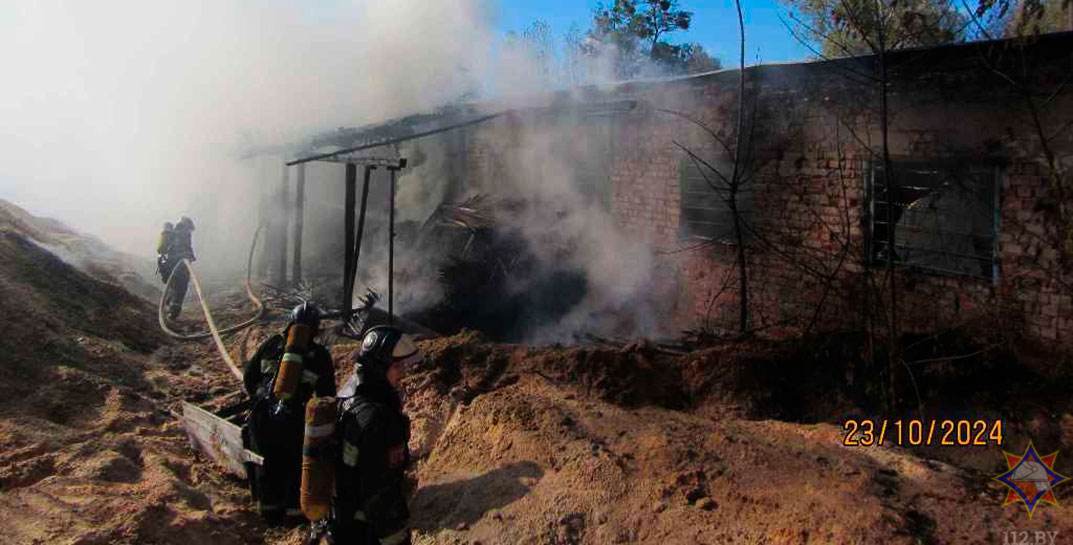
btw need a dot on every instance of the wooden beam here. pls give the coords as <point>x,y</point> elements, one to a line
<point>361,225</point>
<point>281,229</point>
<point>348,239</point>
<point>391,250</point>
<point>386,162</point>
<point>299,224</point>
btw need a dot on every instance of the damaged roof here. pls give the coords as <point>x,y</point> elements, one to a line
<point>943,58</point>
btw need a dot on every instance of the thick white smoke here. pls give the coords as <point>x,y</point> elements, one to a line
<point>119,115</point>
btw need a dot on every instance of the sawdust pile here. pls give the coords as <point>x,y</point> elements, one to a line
<point>91,453</point>
<point>584,445</point>
<point>87,253</point>
<point>514,444</point>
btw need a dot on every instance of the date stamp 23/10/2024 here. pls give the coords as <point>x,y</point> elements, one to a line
<point>919,432</point>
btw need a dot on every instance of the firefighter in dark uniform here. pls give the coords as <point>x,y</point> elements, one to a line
<point>181,247</point>
<point>274,428</point>
<point>163,246</point>
<point>370,503</point>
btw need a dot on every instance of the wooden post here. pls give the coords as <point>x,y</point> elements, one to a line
<point>264,206</point>
<point>391,250</point>
<point>361,224</point>
<point>299,224</point>
<point>348,239</point>
<point>281,229</point>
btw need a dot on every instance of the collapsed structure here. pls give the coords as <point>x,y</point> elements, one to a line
<point>978,140</point>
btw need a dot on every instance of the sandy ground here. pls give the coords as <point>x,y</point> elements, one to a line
<point>543,446</point>
<point>514,444</point>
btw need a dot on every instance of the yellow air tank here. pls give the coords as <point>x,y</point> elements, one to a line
<point>290,368</point>
<point>317,471</point>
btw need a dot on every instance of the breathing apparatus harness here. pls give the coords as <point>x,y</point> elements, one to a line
<point>305,322</point>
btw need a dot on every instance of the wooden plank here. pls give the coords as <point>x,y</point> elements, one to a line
<point>217,439</point>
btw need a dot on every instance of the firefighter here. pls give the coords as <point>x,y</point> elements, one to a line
<point>274,428</point>
<point>163,245</point>
<point>181,247</point>
<point>370,503</point>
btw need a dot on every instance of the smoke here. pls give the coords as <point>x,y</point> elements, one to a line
<point>543,183</point>
<point>557,165</point>
<point>121,115</point>
<point>569,226</point>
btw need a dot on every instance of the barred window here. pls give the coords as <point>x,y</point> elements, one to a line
<point>943,216</point>
<point>591,154</point>
<point>704,210</point>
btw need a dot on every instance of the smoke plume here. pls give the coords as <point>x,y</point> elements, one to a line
<point>122,115</point>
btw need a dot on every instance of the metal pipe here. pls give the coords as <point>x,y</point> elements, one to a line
<point>348,239</point>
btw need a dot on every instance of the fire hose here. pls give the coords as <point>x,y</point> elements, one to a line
<point>213,331</point>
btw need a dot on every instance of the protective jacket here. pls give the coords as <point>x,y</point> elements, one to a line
<point>182,245</point>
<point>370,501</point>
<point>163,247</point>
<point>274,428</point>
<point>164,242</point>
<point>318,375</point>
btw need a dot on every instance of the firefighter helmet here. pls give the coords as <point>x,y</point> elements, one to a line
<point>384,345</point>
<point>306,313</point>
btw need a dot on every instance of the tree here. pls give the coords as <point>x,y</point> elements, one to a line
<point>574,69</point>
<point>635,31</point>
<point>729,185</point>
<point>875,28</point>
<point>537,46</point>
<point>856,27</point>
<point>698,60</point>
<point>1037,16</point>
<point>537,39</point>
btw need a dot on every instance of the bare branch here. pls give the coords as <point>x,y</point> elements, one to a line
<point>699,159</point>
<point>705,128</point>
<point>819,54</point>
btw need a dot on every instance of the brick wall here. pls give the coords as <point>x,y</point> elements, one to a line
<point>816,131</point>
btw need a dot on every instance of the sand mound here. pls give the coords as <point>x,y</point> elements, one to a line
<point>513,444</point>
<point>91,451</point>
<point>87,253</point>
<point>582,445</point>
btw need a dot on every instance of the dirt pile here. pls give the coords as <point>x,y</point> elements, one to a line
<point>91,452</point>
<point>87,253</point>
<point>736,443</point>
<point>582,445</point>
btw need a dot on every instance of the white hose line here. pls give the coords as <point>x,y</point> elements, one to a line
<point>213,332</point>
<point>212,323</point>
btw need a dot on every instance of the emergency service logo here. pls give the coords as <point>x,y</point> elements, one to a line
<point>1030,478</point>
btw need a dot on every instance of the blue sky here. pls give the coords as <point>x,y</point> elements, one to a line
<point>715,25</point>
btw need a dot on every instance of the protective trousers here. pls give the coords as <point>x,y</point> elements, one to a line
<point>277,438</point>
<point>177,291</point>
<point>349,526</point>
